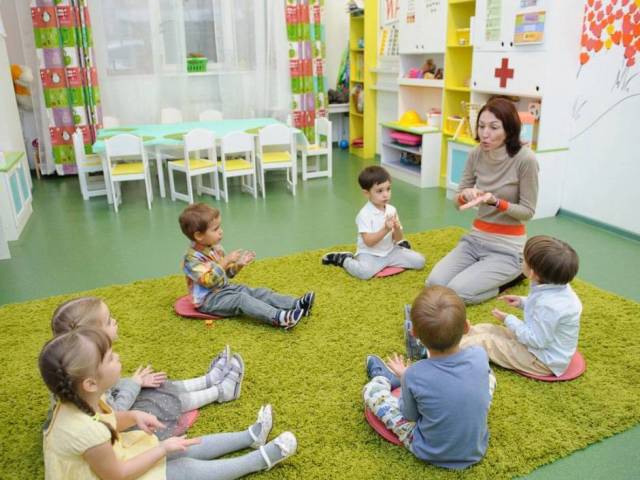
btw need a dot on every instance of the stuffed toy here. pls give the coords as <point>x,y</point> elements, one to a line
<point>22,78</point>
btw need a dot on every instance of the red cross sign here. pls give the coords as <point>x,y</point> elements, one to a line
<point>504,72</point>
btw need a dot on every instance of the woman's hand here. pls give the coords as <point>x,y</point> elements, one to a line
<point>178,444</point>
<point>469,194</point>
<point>397,364</point>
<point>146,422</point>
<point>487,198</point>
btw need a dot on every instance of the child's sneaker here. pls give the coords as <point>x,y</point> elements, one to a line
<point>290,318</point>
<point>377,368</point>
<point>278,449</point>
<point>404,244</point>
<point>415,349</point>
<point>231,385</point>
<point>336,258</point>
<point>306,302</point>
<point>265,424</point>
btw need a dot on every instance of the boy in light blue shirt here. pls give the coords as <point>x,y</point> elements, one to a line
<point>545,342</point>
<point>441,415</point>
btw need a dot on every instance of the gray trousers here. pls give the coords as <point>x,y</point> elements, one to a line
<point>475,269</point>
<point>197,462</point>
<point>260,303</point>
<point>365,266</point>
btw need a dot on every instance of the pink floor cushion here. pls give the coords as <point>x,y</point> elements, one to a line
<point>575,369</point>
<point>185,421</point>
<point>388,271</point>
<point>184,307</point>
<point>379,427</point>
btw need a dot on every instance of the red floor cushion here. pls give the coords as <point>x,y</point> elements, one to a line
<point>388,271</point>
<point>379,427</point>
<point>577,366</point>
<point>184,307</point>
<point>185,421</point>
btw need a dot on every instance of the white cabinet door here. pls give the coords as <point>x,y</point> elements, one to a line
<point>408,26</point>
<point>422,26</point>
<point>494,25</point>
<point>509,73</point>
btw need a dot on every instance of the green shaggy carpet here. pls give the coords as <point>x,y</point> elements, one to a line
<point>314,374</point>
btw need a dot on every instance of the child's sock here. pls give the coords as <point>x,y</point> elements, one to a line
<point>289,318</point>
<point>305,302</point>
<point>336,258</point>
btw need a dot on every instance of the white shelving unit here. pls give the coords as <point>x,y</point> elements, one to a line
<point>426,174</point>
<point>421,38</point>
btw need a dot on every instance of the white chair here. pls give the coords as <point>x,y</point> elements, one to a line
<point>195,142</point>
<point>238,159</point>
<point>127,146</point>
<point>170,115</point>
<point>210,116</point>
<point>322,147</point>
<point>90,185</point>
<point>110,122</point>
<point>276,152</point>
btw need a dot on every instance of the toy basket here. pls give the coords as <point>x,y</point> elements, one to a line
<point>197,64</point>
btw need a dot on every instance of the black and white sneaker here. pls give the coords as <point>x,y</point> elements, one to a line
<point>305,302</point>
<point>404,244</point>
<point>336,258</point>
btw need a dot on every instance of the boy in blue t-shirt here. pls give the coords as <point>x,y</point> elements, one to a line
<point>441,415</point>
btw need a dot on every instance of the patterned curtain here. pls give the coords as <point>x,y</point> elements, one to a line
<point>64,48</point>
<point>306,35</point>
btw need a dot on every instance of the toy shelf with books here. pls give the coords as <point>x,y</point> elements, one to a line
<point>363,30</point>
<point>410,149</point>
<point>411,153</point>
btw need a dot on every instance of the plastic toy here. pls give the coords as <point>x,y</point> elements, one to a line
<point>405,138</point>
<point>576,367</point>
<point>344,144</point>
<point>409,118</point>
<point>357,94</point>
<point>22,79</point>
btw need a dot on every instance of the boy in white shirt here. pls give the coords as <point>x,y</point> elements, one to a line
<point>380,238</point>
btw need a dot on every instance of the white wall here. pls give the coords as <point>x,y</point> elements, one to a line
<point>337,35</point>
<point>603,160</point>
<point>11,132</point>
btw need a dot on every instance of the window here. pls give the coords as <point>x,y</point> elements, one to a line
<point>128,37</point>
<point>199,29</point>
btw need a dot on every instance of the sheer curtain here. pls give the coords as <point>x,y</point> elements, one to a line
<point>142,48</point>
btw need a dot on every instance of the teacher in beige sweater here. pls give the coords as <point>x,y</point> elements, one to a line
<point>501,178</point>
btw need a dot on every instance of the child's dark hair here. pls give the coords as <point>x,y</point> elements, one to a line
<point>66,360</point>
<point>79,312</point>
<point>197,218</point>
<point>373,175</point>
<point>552,260</point>
<point>438,316</point>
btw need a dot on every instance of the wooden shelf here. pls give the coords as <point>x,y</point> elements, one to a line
<point>455,45</point>
<point>404,148</point>
<point>420,82</point>
<point>385,88</point>
<point>355,114</point>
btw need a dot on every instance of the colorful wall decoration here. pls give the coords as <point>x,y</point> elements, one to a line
<point>64,47</point>
<point>306,35</point>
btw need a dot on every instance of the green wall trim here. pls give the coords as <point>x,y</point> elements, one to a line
<point>596,223</point>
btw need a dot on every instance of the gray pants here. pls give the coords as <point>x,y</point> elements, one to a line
<point>365,266</point>
<point>260,303</point>
<point>475,269</point>
<point>197,462</point>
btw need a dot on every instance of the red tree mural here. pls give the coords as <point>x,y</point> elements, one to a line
<point>605,24</point>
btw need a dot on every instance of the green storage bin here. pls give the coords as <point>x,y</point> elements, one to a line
<point>197,64</point>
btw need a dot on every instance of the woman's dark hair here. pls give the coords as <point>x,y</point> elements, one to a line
<point>506,112</point>
<point>66,360</point>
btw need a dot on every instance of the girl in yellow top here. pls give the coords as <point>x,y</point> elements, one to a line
<point>85,439</point>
